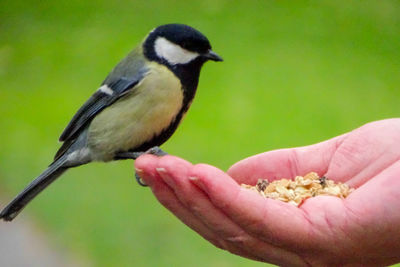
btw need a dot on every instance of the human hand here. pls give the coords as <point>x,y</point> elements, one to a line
<point>362,229</point>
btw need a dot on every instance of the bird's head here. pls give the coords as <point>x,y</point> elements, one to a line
<point>178,44</point>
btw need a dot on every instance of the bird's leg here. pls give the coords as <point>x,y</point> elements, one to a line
<point>128,155</point>
<point>134,155</point>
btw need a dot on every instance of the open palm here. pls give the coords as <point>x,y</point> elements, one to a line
<point>361,229</point>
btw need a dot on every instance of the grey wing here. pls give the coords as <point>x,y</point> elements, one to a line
<point>94,105</point>
<point>120,81</point>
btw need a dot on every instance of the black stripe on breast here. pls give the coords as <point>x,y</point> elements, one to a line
<point>162,137</point>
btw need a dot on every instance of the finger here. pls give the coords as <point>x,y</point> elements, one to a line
<point>366,152</point>
<point>286,163</point>
<point>175,173</point>
<point>148,171</point>
<point>147,165</point>
<point>275,222</point>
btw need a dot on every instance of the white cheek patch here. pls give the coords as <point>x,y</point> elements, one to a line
<point>173,53</point>
<point>105,89</point>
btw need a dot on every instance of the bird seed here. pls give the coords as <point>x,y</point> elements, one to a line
<point>298,190</point>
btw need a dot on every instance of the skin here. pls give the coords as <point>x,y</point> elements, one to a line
<point>361,230</point>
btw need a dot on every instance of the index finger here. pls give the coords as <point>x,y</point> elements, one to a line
<point>286,163</point>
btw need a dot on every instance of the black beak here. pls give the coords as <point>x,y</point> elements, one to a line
<point>211,55</point>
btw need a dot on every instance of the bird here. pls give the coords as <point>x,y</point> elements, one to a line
<point>136,109</point>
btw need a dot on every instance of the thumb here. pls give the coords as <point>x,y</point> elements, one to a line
<point>286,163</point>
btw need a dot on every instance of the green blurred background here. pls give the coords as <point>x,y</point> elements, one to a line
<point>295,73</point>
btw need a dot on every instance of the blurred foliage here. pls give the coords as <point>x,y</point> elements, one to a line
<point>295,73</point>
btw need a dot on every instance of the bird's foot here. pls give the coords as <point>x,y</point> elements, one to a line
<point>134,155</point>
<point>155,150</point>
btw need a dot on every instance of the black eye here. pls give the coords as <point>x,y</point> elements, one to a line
<point>186,44</point>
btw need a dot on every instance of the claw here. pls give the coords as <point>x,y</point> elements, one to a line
<point>134,155</point>
<point>154,151</point>
<point>139,180</point>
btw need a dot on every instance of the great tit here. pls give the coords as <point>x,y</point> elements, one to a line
<point>136,109</point>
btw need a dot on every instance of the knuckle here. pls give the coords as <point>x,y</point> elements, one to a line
<point>200,166</point>
<point>167,161</point>
<point>199,169</point>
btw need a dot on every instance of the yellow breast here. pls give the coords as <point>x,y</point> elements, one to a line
<point>139,116</point>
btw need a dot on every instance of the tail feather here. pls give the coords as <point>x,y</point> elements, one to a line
<point>33,189</point>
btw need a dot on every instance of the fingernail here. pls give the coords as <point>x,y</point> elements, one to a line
<point>139,171</point>
<point>197,182</point>
<point>161,170</point>
<point>167,179</point>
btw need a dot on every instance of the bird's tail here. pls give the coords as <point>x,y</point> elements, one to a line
<point>33,189</point>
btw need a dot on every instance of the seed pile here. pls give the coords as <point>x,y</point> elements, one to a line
<point>297,190</point>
